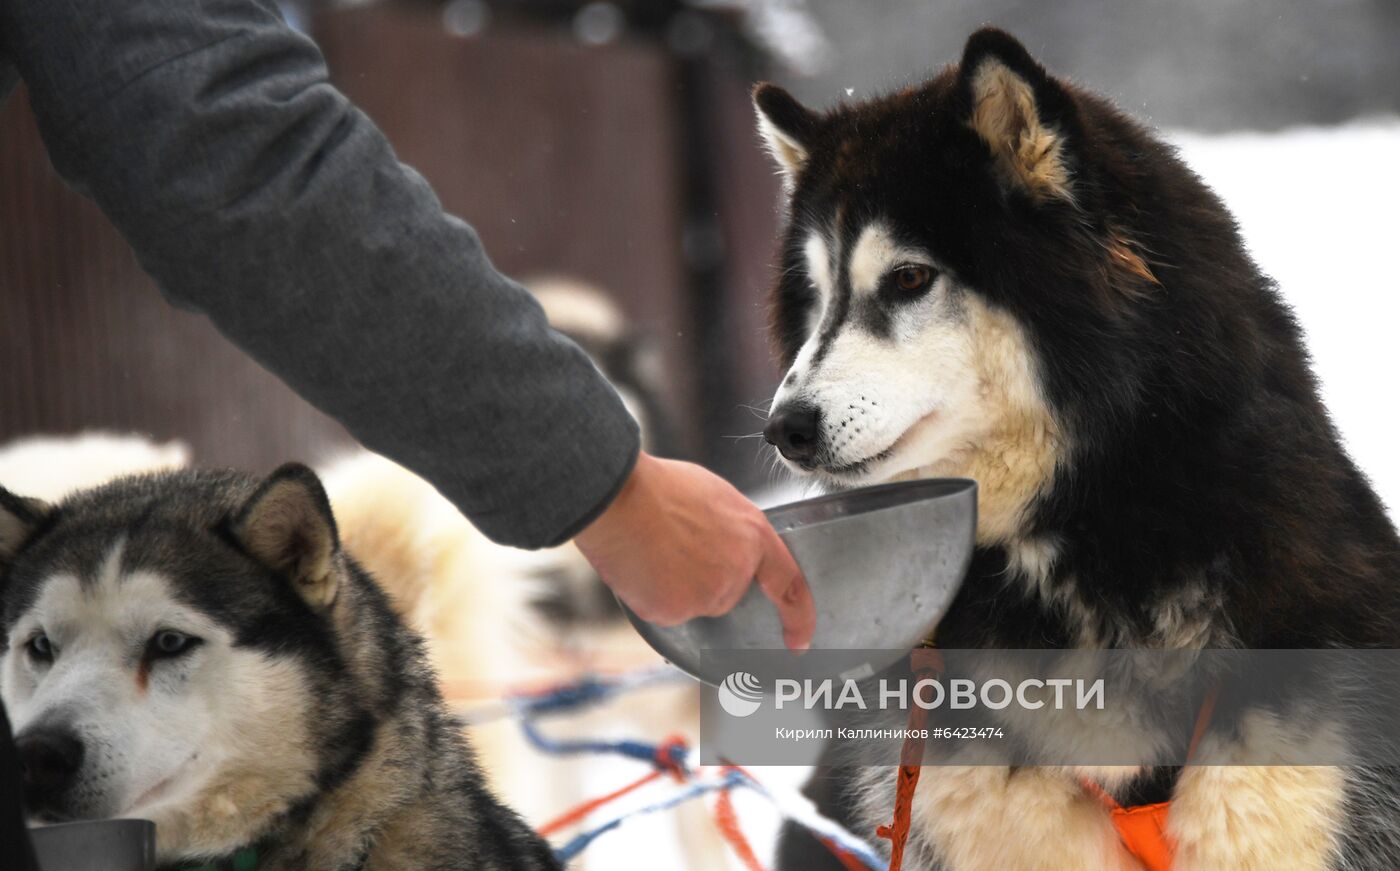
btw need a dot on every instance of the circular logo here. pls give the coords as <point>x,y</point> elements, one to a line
<point>740,694</point>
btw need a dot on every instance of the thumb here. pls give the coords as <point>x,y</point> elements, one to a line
<point>782,582</point>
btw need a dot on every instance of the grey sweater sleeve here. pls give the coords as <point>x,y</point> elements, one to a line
<point>254,192</point>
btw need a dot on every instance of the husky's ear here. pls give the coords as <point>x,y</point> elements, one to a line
<point>1020,113</point>
<point>287,525</point>
<point>19,517</point>
<point>786,125</point>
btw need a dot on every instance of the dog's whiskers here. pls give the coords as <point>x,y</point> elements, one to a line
<point>758,411</point>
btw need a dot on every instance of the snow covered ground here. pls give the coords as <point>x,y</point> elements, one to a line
<point>1318,208</point>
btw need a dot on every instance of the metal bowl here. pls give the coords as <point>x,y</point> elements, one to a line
<point>96,845</point>
<point>883,564</point>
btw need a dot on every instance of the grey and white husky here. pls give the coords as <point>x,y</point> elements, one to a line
<point>195,648</point>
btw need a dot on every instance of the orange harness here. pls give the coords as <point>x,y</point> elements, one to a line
<point>927,662</point>
<point>1141,828</point>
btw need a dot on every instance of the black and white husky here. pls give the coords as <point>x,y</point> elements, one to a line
<point>997,275</point>
<point>196,649</point>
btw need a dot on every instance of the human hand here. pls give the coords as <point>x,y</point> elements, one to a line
<point>680,542</point>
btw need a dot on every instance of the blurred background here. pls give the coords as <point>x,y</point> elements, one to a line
<point>611,145</point>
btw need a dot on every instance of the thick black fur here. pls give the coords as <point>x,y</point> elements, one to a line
<point>1201,457</point>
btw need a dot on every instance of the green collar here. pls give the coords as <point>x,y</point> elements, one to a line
<point>245,859</point>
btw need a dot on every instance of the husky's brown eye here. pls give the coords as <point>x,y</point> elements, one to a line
<point>40,648</point>
<point>911,279</point>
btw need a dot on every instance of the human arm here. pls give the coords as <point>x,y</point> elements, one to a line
<point>255,193</point>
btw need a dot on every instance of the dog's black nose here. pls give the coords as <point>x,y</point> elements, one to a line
<point>795,431</point>
<point>49,760</point>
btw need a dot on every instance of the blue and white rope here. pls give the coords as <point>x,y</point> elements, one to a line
<point>593,690</point>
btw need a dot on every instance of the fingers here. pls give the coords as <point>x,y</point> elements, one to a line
<point>782,582</point>
<point>728,596</point>
<point>664,614</point>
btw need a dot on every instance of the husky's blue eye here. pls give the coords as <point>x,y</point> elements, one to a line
<point>167,643</point>
<point>40,648</point>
